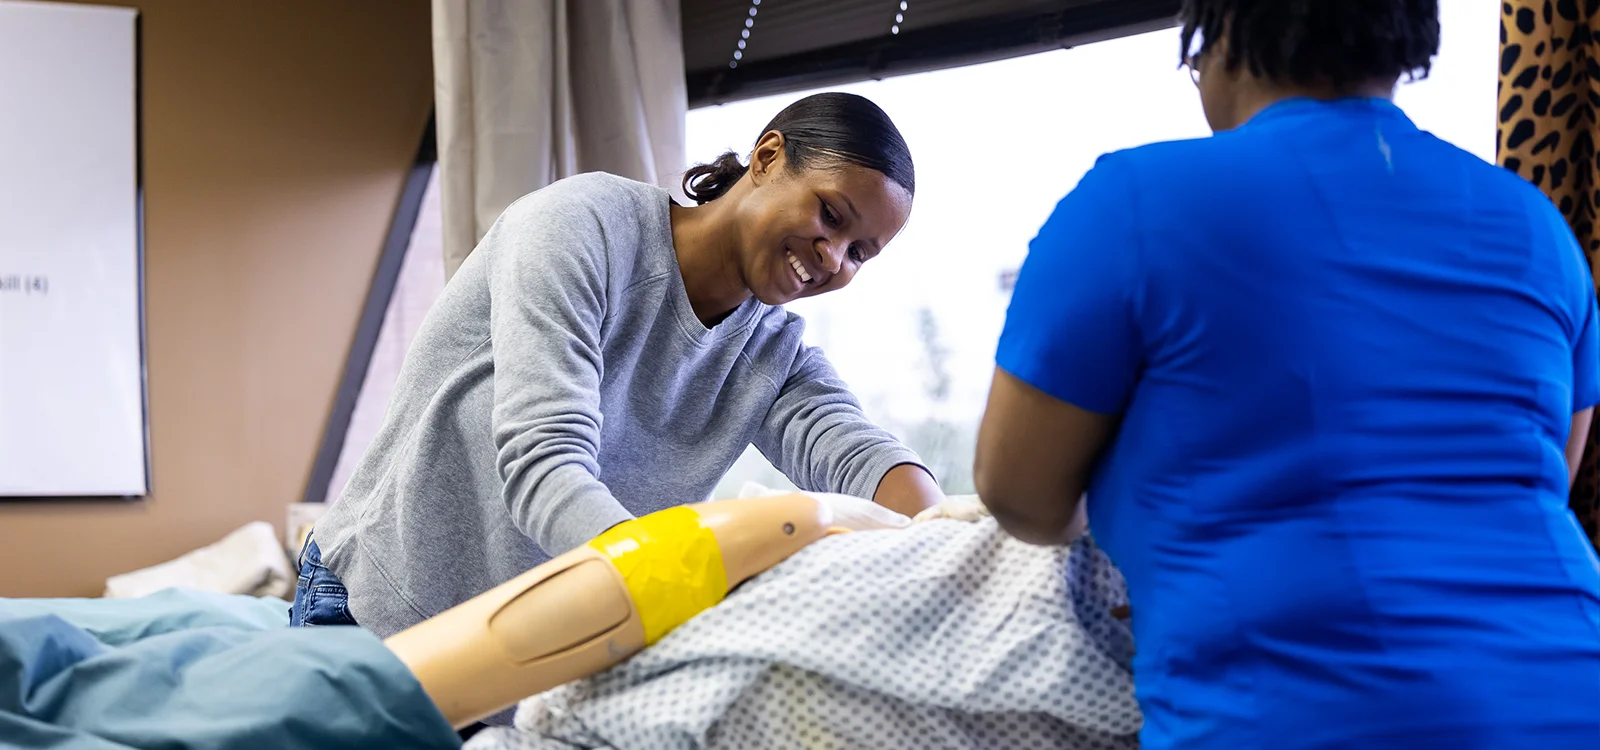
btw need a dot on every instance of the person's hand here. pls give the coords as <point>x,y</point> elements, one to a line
<point>956,508</point>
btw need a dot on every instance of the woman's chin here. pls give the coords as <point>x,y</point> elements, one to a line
<point>778,292</point>
<point>774,298</point>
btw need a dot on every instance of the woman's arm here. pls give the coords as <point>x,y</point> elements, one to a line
<point>1035,453</point>
<point>908,489</point>
<point>1576,441</point>
<point>817,435</point>
<point>1069,359</point>
<point>546,260</point>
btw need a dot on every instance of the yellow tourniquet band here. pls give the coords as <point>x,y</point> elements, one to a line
<point>672,566</point>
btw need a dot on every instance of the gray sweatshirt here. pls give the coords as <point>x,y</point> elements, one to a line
<point>561,385</point>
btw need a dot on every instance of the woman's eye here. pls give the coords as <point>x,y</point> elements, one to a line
<point>829,216</point>
<point>855,254</point>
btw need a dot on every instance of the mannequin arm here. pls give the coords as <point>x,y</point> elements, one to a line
<point>595,606</point>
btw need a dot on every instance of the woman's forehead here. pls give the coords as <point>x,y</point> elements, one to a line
<point>877,206</point>
<point>862,184</point>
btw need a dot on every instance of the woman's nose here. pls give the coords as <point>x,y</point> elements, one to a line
<point>830,255</point>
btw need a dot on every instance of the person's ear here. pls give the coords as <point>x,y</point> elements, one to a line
<point>1215,62</point>
<point>767,158</point>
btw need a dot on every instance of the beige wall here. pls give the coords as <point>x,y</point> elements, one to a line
<point>276,138</point>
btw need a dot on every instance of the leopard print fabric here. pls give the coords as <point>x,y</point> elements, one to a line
<point>1549,93</point>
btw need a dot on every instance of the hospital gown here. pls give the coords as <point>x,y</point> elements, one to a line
<point>946,635</point>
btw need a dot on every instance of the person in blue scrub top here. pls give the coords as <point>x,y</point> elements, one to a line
<point>1325,379</point>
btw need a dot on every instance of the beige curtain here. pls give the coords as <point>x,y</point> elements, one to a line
<point>531,91</point>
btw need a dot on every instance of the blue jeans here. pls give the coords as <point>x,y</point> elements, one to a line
<point>320,598</point>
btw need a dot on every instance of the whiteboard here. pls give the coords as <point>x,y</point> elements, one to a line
<point>72,375</point>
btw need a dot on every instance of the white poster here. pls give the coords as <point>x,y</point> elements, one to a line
<point>72,393</point>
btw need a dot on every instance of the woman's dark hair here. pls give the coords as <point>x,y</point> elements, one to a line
<point>821,130</point>
<point>1317,42</point>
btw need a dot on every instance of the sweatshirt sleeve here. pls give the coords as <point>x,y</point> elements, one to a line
<point>547,265</point>
<point>817,435</point>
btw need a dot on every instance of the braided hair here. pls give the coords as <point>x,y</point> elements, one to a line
<point>1341,43</point>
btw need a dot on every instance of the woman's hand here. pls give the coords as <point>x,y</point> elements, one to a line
<point>956,508</point>
<point>908,489</point>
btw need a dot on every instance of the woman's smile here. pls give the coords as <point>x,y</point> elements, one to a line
<point>799,268</point>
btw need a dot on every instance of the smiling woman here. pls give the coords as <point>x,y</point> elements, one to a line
<point>605,353</point>
<point>830,182</point>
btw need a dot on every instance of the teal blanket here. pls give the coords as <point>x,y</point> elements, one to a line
<point>191,670</point>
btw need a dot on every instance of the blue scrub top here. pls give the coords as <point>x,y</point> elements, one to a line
<point>1346,355</point>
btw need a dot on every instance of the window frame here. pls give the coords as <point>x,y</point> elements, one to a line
<point>384,280</point>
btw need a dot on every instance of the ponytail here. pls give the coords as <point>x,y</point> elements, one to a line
<point>820,130</point>
<point>707,182</point>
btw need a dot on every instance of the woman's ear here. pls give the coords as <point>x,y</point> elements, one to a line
<point>767,158</point>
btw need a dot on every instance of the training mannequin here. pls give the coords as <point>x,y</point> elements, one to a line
<point>595,606</point>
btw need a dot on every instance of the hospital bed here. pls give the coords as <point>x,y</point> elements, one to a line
<point>945,636</point>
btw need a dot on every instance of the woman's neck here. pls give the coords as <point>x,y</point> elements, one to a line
<point>708,255</point>
<point>1261,96</point>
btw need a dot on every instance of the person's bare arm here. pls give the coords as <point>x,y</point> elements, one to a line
<point>908,489</point>
<point>1069,360</point>
<point>1035,454</point>
<point>1576,441</point>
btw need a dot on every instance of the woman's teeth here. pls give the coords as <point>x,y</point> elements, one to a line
<point>799,268</point>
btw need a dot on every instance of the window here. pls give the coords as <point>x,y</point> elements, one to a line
<point>996,146</point>
<point>419,283</point>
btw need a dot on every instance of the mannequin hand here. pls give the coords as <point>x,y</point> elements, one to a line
<point>956,508</point>
<point>856,514</point>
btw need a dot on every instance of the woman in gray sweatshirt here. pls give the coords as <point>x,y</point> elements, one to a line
<point>605,353</point>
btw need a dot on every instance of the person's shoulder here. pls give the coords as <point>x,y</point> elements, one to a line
<point>606,185</point>
<point>1157,167</point>
<point>587,222</point>
<point>1152,174</point>
<point>1501,186</point>
<point>611,215</point>
<point>775,333</point>
<point>592,191</point>
<point>1490,176</point>
<point>1165,155</point>
<point>1161,152</point>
